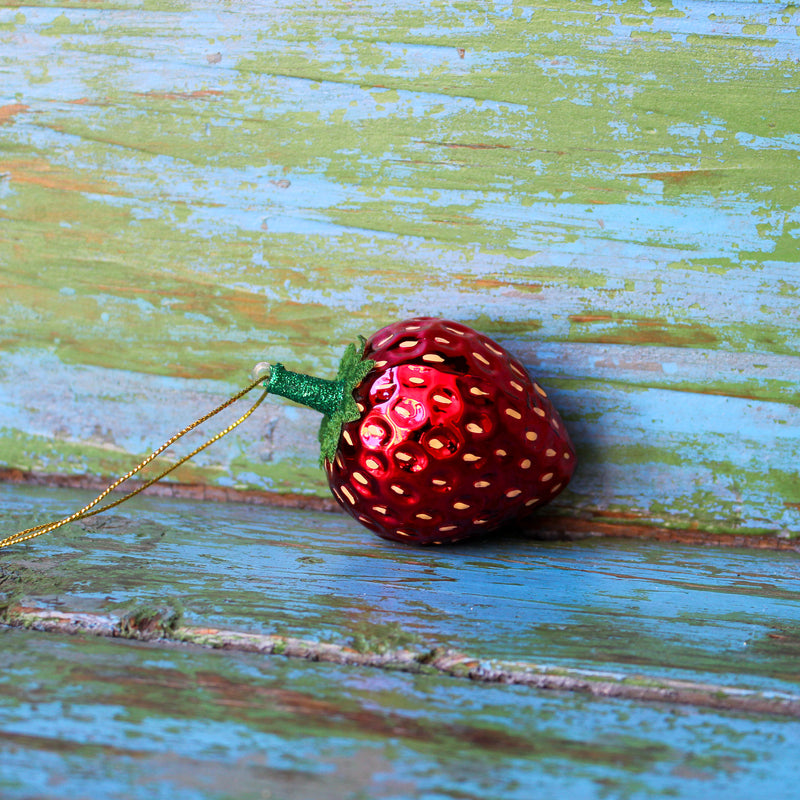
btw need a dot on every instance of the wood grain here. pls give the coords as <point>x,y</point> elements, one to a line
<point>673,611</point>
<point>597,666</point>
<point>140,721</point>
<point>611,191</point>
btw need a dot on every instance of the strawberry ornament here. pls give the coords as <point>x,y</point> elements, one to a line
<point>433,433</point>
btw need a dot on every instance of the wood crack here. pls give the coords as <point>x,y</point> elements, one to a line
<point>441,661</point>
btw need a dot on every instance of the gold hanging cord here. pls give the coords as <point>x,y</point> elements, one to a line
<point>90,510</point>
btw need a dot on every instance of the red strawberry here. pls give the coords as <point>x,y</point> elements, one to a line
<point>450,437</point>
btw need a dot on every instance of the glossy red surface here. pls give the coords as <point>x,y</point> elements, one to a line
<point>455,439</point>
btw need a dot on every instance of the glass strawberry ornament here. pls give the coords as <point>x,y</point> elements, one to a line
<point>433,433</point>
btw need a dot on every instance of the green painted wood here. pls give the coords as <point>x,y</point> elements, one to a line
<point>611,191</point>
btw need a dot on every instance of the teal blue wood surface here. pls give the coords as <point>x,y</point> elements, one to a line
<point>721,615</point>
<point>93,715</point>
<point>609,189</point>
<point>84,718</point>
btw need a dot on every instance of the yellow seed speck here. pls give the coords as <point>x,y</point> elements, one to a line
<point>407,343</point>
<point>471,457</point>
<point>424,516</point>
<point>436,444</point>
<point>548,476</point>
<point>360,478</point>
<point>525,463</point>
<point>433,358</point>
<point>347,438</point>
<point>549,452</point>
<point>461,506</point>
<point>481,484</point>
<point>539,411</point>
<point>512,412</point>
<point>348,494</point>
<point>513,492</point>
<point>531,436</point>
<point>481,358</point>
<point>397,489</point>
<point>478,392</point>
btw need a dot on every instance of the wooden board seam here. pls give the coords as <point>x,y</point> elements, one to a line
<point>548,527</point>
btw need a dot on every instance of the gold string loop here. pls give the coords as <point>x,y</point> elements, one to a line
<point>90,510</point>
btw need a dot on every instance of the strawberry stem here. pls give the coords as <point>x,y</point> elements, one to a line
<point>317,393</point>
<point>334,399</point>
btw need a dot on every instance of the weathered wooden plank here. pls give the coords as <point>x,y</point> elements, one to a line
<point>82,716</point>
<point>720,616</point>
<point>612,192</point>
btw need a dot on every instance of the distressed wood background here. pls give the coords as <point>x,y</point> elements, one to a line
<point>611,190</point>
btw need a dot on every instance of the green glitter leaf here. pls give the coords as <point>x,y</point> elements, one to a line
<point>353,368</point>
<point>334,399</point>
